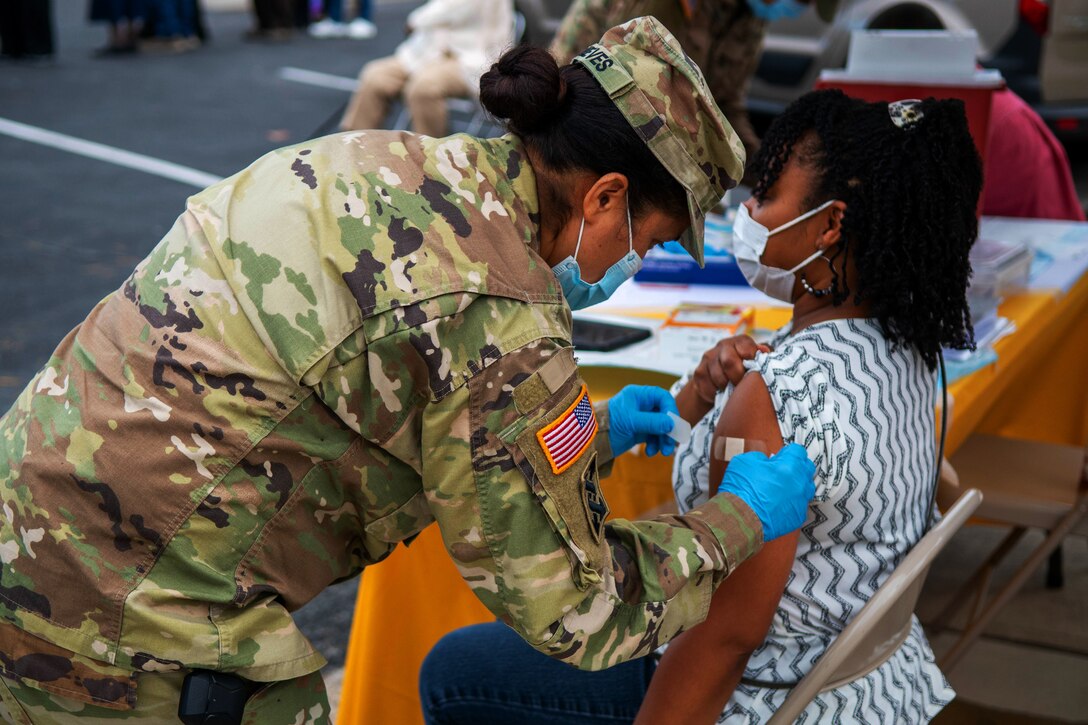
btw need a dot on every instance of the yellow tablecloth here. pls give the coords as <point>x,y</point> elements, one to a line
<point>1037,390</point>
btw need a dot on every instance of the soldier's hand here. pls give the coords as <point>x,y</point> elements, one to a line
<point>639,414</point>
<point>723,364</point>
<point>778,488</point>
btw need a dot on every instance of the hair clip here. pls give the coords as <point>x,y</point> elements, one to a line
<point>906,113</point>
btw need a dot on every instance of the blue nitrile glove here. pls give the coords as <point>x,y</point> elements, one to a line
<point>638,415</point>
<point>778,488</point>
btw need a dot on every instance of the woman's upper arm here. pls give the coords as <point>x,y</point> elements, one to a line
<point>749,415</point>
<point>702,668</point>
<point>744,604</point>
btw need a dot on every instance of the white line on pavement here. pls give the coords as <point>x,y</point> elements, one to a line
<point>109,154</point>
<point>314,78</point>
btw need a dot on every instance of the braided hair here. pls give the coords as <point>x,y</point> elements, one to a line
<point>910,194</point>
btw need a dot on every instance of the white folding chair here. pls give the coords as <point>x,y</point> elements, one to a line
<point>1027,485</point>
<point>883,623</point>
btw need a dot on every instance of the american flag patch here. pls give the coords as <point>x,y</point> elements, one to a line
<point>569,435</point>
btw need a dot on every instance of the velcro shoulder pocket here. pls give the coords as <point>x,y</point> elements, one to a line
<point>531,418</point>
<point>558,448</point>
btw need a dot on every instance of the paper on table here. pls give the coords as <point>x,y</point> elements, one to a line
<point>676,356</point>
<point>683,350</point>
<point>643,355</point>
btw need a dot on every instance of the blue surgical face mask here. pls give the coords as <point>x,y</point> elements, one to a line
<point>777,9</point>
<point>581,294</point>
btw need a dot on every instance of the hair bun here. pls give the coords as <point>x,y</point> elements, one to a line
<point>525,88</point>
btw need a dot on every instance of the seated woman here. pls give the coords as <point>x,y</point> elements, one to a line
<point>862,217</point>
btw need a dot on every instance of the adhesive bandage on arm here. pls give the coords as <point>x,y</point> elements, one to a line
<point>726,448</point>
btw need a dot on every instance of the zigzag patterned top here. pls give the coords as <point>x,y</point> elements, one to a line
<point>864,412</point>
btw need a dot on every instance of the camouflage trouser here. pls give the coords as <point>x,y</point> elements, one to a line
<point>301,701</point>
<point>723,38</point>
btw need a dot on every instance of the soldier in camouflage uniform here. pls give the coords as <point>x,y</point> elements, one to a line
<point>347,341</point>
<point>723,37</point>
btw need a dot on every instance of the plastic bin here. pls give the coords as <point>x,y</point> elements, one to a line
<point>1002,267</point>
<point>670,263</point>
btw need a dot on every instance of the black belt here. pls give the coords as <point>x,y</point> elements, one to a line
<point>214,698</point>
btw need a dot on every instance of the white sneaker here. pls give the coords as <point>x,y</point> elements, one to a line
<point>328,28</point>
<point>361,29</point>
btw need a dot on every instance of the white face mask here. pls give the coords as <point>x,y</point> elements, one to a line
<point>748,244</point>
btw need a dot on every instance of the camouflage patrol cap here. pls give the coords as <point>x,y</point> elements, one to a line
<point>663,95</point>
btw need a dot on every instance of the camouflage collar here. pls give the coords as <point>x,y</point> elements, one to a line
<point>518,192</point>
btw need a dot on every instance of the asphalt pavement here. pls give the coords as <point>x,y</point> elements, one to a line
<point>73,227</point>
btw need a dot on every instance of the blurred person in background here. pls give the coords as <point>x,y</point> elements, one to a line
<point>275,20</point>
<point>723,37</point>
<point>26,29</point>
<point>450,45</point>
<point>1027,171</point>
<point>333,25</point>
<point>125,18</point>
<point>170,26</point>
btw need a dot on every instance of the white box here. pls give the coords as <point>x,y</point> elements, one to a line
<point>934,55</point>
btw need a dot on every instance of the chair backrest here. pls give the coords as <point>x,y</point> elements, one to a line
<point>885,620</point>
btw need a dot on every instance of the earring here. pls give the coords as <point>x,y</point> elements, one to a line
<point>831,288</point>
<point>813,291</point>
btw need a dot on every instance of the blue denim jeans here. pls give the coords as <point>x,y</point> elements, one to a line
<point>486,675</point>
<point>174,18</point>
<point>335,9</point>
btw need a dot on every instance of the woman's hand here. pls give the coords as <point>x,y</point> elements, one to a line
<point>720,365</point>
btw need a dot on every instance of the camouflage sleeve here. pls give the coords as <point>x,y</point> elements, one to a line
<point>510,470</point>
<point>583,25</point>
<point>587,20</point>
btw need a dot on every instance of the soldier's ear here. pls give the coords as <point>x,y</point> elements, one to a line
<point>606,195</point>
